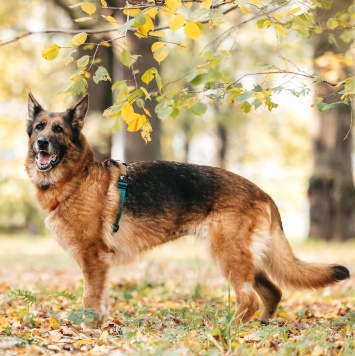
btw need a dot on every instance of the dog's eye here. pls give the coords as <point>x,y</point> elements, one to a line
<point>57,129</point>
<point>39,126</point>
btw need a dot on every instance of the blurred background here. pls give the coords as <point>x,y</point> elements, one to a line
<point>296,154</point>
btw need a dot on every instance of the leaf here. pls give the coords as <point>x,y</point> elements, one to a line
<point>198,108</point>
<point>50,52</point>
<point>173,4</point>
<point>126,58</point>
<point>244,96</point>
<point>79,86</point>
<point>101,74</point>
<point>145,93</point>
<point>177,22</point>
<point>294,10</point>
<point>255,2</point>
<point>82,342</point>
<point>103,3</point>
<point>332,23</point>
<point>152,12</point>
<point>53,323</point>
<point>79,39</point>
<point>148,75</point>
<point>127,112</point>
<point>111,19</point>
<point>157,45</point>
<point>145,131</point>
<point>192,30</point>
<point>157,33</point>
<point>88,7</point>
<point>332,40</point>
<point>136,123</point>
<point>104,335</point>
<point>206,4</point>
<point>83,19</point>
<point>83,61</point>
<point>280,29</point>
<point>126,26</point>
<point>164,112</point>
<point>139,20</point>
<point>161,53</point>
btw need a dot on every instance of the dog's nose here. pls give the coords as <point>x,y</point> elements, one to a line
<point>42,143</point>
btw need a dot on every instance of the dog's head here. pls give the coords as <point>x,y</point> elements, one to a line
<point>52,133</point>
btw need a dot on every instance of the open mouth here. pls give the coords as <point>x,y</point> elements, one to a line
<point>45,160</point>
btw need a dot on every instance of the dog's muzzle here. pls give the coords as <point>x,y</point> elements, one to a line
<point>45,158</point>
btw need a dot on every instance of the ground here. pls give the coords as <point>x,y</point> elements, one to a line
<point>171,302</point>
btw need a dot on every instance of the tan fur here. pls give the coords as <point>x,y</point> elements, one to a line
<point>243,228</point>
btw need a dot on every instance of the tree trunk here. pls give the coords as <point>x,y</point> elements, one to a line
<point>135,147</point>
<point>331,189</point>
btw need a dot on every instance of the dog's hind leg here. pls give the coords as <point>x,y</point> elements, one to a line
<point>269,293</point>
<point>236,263</point>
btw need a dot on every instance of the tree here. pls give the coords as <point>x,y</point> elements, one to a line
<point>172,25</point>
<point>331,189</point>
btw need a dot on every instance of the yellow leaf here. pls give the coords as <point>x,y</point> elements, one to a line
<point>104,335</point>
<point>136,123</point>
<point>161,53</point>
<point>259,95</point>
<point>79,39</point>
<point>294,10</point>
<point>50,52</point>
<point>127,112</point>
<point>145,91</point>
<point>283,315</point>
<point>157,33</point>
<point>146,111</point>
<point>244,10</point>
<point>177,21</point>
<point>88,7</point>
<point>111,19</point>
<point>279,16</point>
<point>173,5</point>
<point>152,12</point>
<point>103,3</point>
<point>82,342</point>
<point>255,2</point>
<point>192,30</point>
<point>148,26</point>
<point>206,4</point>
<point>53,323</point>
<point>146,130</point>
<point>332,23</point>
<point>280,30</point>
<point>157,45</point>
<point>131,12</point>
<point>188,4</point>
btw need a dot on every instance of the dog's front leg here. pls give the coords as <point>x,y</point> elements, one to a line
<point>95,272</point>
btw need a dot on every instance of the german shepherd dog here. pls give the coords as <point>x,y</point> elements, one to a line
<point>164,201</point>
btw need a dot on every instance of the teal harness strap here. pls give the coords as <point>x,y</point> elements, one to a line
<point>122,185</point>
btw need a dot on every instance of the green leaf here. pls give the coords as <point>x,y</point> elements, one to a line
<point>198,108</point>
<point>117,125</point>
<point>126,58</point>
<point>86,315</point>
<point>139,20</point>
<point>126,26</point>
<point>244,96</point>
<point>83,61</point>
<point>332,40</point>
<point>199,79</point>
<point>257,103</point>
<point>79,86</point>
<point>101,74</point>
<point>318,78</point>
<point>164,113</point>
<point>112,110</point>
<point>323,107</point>
<point>159,81</point>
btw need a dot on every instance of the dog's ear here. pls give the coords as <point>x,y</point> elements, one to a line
<point>33,109</point>
<point>33,106</point>
<point>77,113</point>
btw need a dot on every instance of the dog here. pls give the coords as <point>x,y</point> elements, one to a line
<point>100,223</point>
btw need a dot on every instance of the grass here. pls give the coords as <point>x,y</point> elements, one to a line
<point>172,301</point>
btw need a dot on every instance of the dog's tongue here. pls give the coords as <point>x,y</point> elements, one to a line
<point>44,158</point>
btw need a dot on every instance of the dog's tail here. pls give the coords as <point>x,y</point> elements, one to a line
<point>287,270</point>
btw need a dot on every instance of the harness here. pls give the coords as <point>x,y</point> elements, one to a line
<point>122,185</point>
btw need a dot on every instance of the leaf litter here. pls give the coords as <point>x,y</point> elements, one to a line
<point>164,309</point>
